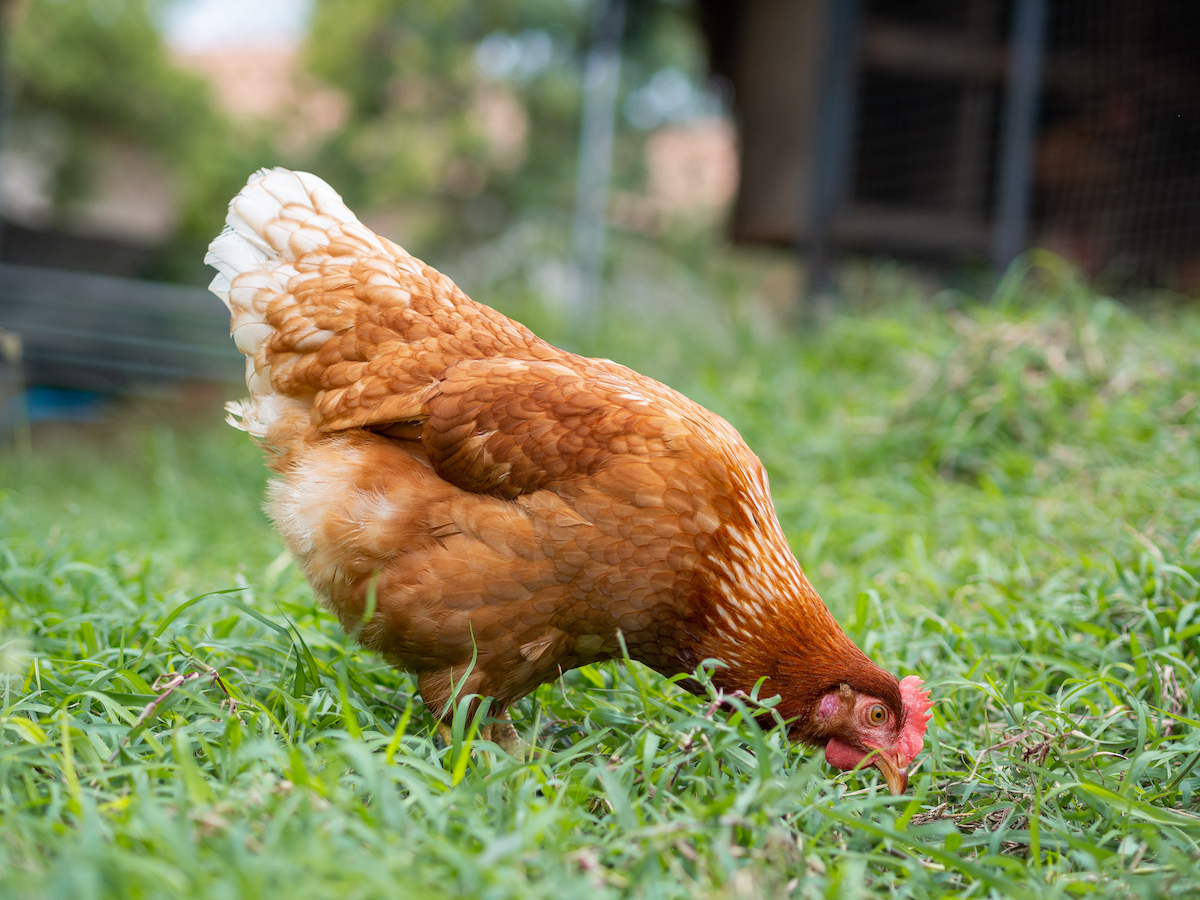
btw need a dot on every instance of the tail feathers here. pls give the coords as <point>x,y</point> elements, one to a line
<point>243,415</point>
<point>258,415</point>
<point>278,216</point>
<point>231,254</point>
<point>282,264</point>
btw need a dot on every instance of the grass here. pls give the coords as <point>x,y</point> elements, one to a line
<point>1003,498</point>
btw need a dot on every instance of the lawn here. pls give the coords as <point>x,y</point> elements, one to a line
<point>1000,494</point>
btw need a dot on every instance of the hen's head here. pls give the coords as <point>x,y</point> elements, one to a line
<point>859,728</point>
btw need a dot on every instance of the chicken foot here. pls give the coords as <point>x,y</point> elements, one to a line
<point>500,732</point>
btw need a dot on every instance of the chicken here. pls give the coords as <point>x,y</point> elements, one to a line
<point>487,511</point>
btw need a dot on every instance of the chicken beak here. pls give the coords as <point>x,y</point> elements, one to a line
<point>896,776</point>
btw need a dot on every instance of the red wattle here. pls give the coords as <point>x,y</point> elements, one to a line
<point>841,755</point>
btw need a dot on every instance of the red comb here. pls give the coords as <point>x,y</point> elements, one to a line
<point>916,718</point>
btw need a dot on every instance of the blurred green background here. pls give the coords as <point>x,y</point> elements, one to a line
<point>442,123</point>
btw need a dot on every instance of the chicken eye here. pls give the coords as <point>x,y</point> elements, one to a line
<point>877,714</point>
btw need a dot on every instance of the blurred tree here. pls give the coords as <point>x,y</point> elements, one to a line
<point>463,113</point>
<point>427,121</point>
<point>82,71</point>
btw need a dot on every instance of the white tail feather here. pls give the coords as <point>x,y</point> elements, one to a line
<point>276,216</point>
<point>250,239</point>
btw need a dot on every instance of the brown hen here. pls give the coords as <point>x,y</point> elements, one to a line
<point>514,509</point>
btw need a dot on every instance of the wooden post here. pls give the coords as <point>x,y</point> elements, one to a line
<point>833,144</point>
<point>1014,191</point>
<point>969,183</point>
<point>14,417</point>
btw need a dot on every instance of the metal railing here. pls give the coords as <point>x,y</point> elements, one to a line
<point>95,332</point>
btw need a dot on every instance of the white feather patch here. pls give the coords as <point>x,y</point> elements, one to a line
<point>278,216</point>
<point>250,336</point>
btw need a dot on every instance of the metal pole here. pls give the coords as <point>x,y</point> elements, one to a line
<point>1014,190</point>
<point>6,18</point>
<point>833,143</point>
<point>602,78</point>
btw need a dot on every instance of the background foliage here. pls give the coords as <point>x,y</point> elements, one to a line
<point>81,70</point>
<point>420,80</point>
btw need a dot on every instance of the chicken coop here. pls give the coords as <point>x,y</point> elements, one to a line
<point>969,129</point>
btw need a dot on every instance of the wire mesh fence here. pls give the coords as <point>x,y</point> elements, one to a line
<point>1114,150</point>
